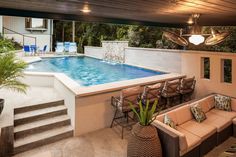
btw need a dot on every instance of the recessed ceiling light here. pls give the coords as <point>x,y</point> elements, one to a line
<point>85,9</point>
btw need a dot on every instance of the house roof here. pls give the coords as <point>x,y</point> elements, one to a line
<point>172,13</point>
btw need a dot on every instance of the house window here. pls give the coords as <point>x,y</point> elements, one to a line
<point>226,70</point>
<point>205,67</point>
<point>36,23</point>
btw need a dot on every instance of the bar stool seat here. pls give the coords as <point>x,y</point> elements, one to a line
<point>122,107</point>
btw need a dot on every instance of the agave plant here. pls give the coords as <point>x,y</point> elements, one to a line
<point>11,69</point>
<point>145,115</point>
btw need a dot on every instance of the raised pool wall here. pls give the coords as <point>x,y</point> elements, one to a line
<point>184,62</point>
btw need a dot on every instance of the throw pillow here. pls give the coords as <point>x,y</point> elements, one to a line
<point>223,102</point>
<point>168,121</point>
<point>198,114</point>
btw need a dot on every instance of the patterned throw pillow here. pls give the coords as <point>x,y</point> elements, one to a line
<point>198,114</point>
<point>223,102</point>
<point>168,121</point>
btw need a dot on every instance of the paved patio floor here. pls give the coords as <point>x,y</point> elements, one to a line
<point>102,143</point>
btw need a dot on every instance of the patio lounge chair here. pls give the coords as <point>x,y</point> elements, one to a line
<point>122,106</point>
<point>43,51</point>
<point>33,49</point>
<point>26,49</point>
<point>59,48</point>
<point>66,46</point>
<point>73,48</point>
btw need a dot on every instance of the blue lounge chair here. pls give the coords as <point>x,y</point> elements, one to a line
<point>73,48</point>
<point>43,51</point>
<point>60,48</point>
<point>33,49</point>
<point>27,49</point>
<point>66,46</point>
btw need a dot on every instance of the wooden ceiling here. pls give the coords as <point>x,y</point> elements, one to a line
<point>170,13</point>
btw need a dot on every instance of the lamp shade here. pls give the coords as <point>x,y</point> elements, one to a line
<point>196,39</point>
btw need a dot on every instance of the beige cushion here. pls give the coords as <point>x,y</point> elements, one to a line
<point>130,95</point>
<point>199,129</point>
<point>217,121</point>
<point>233,104</point>
<point>191,139</point>
<point>206,103</point>
<point>182,139</point>
<point>183,114</point>
<point>224,114</point>
<point>171,115</point>
<point>234,121</point>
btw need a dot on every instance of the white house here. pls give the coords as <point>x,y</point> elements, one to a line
<point>28,31</point>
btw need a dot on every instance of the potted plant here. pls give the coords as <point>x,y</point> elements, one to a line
<point>144,140</point>
<point>11,69</point>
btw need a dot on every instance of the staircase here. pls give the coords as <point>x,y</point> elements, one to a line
<point>40,124</point>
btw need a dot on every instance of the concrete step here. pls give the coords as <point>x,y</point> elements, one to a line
<point>40,126</point>
<point>35,115</point>
<point>39,139</point>
<point>37,106</point>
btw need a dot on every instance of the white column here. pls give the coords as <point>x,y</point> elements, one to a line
<point>1,24</point>
<point>51,34</point>
<point>73,31</point>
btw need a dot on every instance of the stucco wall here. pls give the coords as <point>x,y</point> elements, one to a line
<point>93,51</point>
<point>191,66</point>
<point>18,24</point>
<point>160,59</point>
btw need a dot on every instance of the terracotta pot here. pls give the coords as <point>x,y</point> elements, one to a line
<point>144,142</point>
<point>1,105</point>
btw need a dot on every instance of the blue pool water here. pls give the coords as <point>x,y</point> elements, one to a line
<point>90,71</point>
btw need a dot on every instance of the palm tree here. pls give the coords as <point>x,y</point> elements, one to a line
<point>11,69</point>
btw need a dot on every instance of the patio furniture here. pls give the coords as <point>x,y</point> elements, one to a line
<point>43,51</point>
<point>59,48</point>
<point>171,92</point>
<point>122,107</point>
<point>187,86</point>
<point>33,49</point>
<point>66,46</point>
<point>152,93</point>
<point>191,138</point>
<point>73,48</point>
<point>26,49</point>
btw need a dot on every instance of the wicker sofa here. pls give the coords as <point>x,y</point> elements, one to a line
<point>193,139</point>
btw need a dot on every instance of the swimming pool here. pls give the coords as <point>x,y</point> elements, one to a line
<point>89,71</point>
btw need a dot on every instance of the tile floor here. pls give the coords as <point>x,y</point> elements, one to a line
<point>102,143</point>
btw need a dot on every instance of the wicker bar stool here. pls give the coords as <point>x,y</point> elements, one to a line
<point>122,107</point>
<point>187,86</point>
<point>171,92</point>
<point>152,93</point>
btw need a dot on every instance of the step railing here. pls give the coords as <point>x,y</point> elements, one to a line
<point>23,35</point>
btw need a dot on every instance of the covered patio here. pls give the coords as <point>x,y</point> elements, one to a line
<point>89,107</point>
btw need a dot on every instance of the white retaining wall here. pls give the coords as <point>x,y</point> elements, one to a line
<point>157,59</point>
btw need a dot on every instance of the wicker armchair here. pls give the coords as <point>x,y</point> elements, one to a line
<point>122,107</point>
<point>187,86</point>
<point>171,92</point>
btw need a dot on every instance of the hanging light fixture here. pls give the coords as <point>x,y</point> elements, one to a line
<point>196,37</point>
